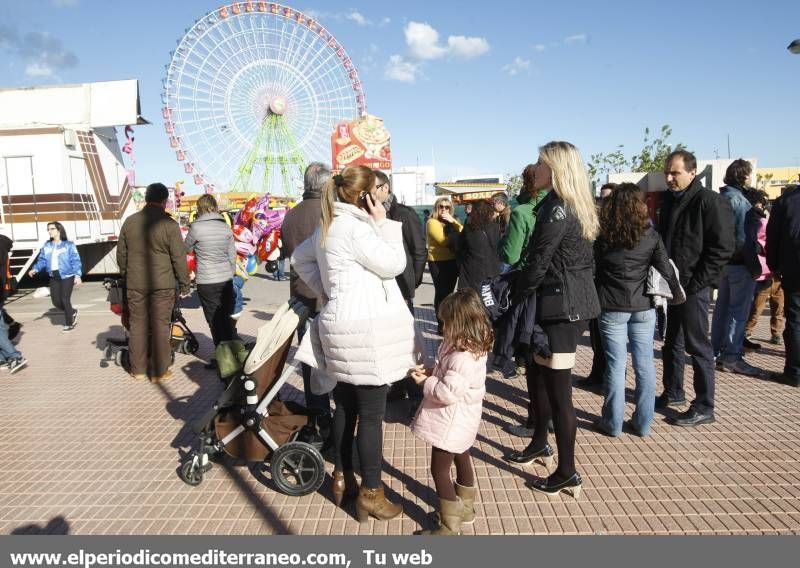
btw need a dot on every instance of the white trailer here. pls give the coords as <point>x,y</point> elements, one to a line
<point>60,160</point>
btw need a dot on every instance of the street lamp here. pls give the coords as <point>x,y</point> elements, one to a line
<point>794,47</point>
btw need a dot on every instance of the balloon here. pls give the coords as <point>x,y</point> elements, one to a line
<point>246,214</point>
<point>252,265</point>
<point>191,262</point>
<point>241,268</point>
<point>268,244</point>
<point>245,249</point>
<point>242,234</point>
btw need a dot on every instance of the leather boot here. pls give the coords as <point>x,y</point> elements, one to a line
<point>449,518</point>
<point>345,486</point>
<point>373,502</point>
<point>467,496</point>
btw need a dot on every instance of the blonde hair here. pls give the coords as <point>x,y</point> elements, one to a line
<point>347,187</point>
<point>465,323</point>
<point>571,184</point>
<point>435,212</point>
<point>206,204</point>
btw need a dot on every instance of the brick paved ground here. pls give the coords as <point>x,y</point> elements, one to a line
<point>84,449</point>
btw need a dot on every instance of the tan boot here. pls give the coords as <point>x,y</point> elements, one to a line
<point>373,502</point>
<point>467,496</point>
<point>449,518</point>
<point>345,486</point>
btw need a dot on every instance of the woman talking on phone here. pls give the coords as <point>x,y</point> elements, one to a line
<point>365,329</point>
<point>441,256</point>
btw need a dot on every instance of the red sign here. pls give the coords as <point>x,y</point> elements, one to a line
<point>364,141</point>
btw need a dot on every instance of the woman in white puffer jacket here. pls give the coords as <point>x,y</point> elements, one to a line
<point>365,329</point>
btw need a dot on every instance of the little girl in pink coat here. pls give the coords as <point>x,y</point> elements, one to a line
<point>450,414</point>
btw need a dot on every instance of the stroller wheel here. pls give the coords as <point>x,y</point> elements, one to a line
<point>122,358</point>
<point>297,469</point>
<point>191,472</point>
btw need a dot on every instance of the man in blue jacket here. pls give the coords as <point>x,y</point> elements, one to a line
<point>736,286</point>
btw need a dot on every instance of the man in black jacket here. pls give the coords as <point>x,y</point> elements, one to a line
<point>416,255</point>
<point>783,259</point>
<point>698,231</point>
<point>413,238</point>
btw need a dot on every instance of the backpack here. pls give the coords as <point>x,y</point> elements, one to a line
<point>496,293</point>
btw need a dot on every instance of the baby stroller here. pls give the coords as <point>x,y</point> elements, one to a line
<point>181,337</point>
<point>248,421</point>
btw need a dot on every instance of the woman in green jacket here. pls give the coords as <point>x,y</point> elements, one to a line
<point>523,220</point>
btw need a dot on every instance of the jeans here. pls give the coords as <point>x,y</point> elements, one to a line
<point>617,328</point>
<point>280,273</point>
<point>770,290</point>
<point>364,406</point>
<point>687,332</point>
<point>238,298</point>
<point>217,301</point>
<point>7,349</point>
<point>61,295</point>
<point>734,299</point>
<point>791,333</point>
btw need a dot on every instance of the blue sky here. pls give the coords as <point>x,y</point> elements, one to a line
<point>478,84</point>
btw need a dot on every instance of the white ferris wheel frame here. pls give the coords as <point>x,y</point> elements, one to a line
<point>189,127</point>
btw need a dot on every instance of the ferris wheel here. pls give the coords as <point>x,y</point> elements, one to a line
<point>252,95</point>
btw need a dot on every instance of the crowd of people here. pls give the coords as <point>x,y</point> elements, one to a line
<point>569,263</point>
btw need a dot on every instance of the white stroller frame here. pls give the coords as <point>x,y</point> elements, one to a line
<point>297,459</point>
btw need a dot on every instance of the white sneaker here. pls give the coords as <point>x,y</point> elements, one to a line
<point>236,315</point>
<point>16,364</point>
<point>67,328</point>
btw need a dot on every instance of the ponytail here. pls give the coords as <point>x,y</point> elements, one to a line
<point>326,202</point>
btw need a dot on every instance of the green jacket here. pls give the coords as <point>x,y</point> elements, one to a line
<point>520,228</point>
<point>150,252</point>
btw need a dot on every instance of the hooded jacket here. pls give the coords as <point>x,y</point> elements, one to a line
<point>365,328</point>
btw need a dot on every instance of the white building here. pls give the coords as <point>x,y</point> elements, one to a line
<point>60,161</point>
<point>413,185</point>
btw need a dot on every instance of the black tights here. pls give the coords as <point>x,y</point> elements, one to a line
<point>441,461</point>
<point>553,399</point>
<point>364,405</point>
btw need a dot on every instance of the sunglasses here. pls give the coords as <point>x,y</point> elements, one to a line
<point>444,207</point>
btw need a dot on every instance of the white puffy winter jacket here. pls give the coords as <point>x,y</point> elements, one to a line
<point>365,328</point>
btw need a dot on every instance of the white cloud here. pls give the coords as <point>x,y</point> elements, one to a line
<point>358,18</point>
<point>42,53</point>
<point>517,66</point>
<point>385,22</point>
<point>576,39</point>
<point>38,70</point>
<point>400,69</point>
<point>422,40</point>
<point>539,47</point>
<point>467,47</point>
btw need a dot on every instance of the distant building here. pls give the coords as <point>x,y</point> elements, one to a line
<point>463,192</point>
<point>774,180</point>
<point>413,185</point>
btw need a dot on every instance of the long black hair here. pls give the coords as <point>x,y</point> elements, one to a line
<point>62,232</point>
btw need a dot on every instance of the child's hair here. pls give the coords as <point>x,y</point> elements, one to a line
<point>465,322</point>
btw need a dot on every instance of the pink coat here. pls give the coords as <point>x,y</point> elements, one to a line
<point>450,414</point>
<point>762,247</point>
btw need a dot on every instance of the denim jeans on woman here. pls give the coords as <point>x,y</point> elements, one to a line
<point>616,329</point>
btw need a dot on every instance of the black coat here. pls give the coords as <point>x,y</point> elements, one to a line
<point>5,251</point>
<point>476,255</point>
<point>698,231</point>
<point>414,245</point>
<point>559,266</point>
<point>621,274</point>
<point>783,240</point>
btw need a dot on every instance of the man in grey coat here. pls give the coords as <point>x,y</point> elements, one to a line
<point>298,225</point>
